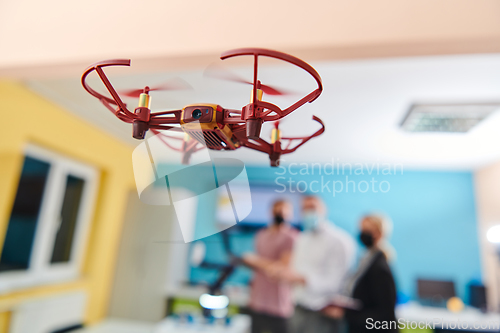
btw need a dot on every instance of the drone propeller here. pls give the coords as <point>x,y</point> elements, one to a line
<point>173,84</point>
<point>222,73</point>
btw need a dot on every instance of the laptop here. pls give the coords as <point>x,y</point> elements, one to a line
<point>435,292</point>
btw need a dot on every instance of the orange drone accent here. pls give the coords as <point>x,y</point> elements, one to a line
<point>210,125</point>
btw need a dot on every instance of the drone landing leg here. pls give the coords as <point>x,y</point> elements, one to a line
<point>253,128</point>
<point>275,159</point>
<point>139,129</point>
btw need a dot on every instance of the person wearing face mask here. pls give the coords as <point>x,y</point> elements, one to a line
<point>270,300</point>
<point>322,256</point>
<point>372,283</point>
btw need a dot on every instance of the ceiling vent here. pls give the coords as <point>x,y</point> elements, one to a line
<point>448,118</point>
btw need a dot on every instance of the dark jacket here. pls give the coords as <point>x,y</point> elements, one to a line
<point>377,291</point>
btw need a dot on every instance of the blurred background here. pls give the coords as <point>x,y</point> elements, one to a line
<point>410,105</point>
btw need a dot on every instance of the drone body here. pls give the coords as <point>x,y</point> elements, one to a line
<point>210,125</point>
<point>204,123</point>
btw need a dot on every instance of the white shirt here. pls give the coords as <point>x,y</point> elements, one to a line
<point>324,257</point>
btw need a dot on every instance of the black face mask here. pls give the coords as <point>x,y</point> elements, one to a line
<point>366,239</point>
<point>278,219</point>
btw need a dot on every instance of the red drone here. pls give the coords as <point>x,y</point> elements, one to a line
<point>210,125</point>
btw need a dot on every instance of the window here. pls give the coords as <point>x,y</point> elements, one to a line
<point>69,213</point>
<point>23,220</point>
<point>49,221</point>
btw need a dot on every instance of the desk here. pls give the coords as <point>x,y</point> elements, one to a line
<point>485,322</point>
<point>412,311</point>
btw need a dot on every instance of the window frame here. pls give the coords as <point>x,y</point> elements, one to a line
<point>40,270</point>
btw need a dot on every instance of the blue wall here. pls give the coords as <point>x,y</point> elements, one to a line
<point>435,234</point>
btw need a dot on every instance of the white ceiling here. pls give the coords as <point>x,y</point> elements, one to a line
<point>362,105</point>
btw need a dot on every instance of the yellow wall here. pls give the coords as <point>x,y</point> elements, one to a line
<point>28,118</point>
<point>4,322</point>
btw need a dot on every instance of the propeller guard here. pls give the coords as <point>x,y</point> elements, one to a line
<point>257,112</point>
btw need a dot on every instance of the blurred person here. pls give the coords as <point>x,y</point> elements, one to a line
<point>270,300</point>
<point>322,256</point>
<point>372,283</point>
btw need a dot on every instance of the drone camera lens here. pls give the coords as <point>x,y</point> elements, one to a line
<point>196,113</point>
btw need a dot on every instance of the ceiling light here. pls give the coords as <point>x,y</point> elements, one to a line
<point>450,118</point>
